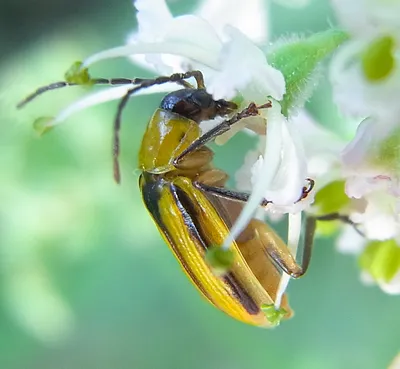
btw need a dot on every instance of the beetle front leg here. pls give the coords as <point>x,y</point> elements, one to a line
<point>228,194</point>
<point>224,126</point>
<point>279,252</point>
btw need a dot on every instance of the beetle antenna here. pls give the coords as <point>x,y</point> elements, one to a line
<point>94,81</point>
<point>113,82</point>
<point>146,83</point>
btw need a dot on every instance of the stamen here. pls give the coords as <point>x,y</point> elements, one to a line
<point>294,231</point>
<point>268,171</point>
<point>187,50</point>
<point>100,97</point>
<point>113,93</point>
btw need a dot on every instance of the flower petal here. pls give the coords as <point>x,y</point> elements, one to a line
<point>289,179</point>
<point>249,17</point>
<point>350,241</point>
<point>370,160</point>
<point>252,76</point>
<point>372,16</point>
<point>379,219</point>
<point>392,287</point>
<point>279,175</point>
<point>294,231</point>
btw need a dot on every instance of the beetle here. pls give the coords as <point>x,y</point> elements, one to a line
<point>190,205</point>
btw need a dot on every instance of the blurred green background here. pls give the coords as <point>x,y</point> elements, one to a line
<point>85,279</point>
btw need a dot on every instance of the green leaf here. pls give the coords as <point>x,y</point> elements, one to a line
<point>378,59</point>
<point>327,228</point>
<point>273,315</point>
<point>77,74</point>
<point>219,259</point>
<point>299,59</point>
<point>43,125</point>
<point>381,259</point>
<point>332,198</point>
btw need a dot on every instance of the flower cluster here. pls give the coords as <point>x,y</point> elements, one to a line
<point>357,176</point>
<point>365,76</point>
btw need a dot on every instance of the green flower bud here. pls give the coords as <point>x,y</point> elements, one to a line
<point>77,74</point>
<point>219,259</point>
<point>273,315</point>
<point>43,125</point>
<point>381,259</point>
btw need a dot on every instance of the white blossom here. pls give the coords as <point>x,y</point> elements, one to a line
<point>278,174</point>
<point>368,21</point>
<point>366,82</point>
<point>310,152</point>
<point>371,159</point>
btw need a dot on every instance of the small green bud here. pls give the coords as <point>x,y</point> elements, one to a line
<point>332,198</point>
<point>43,125</point>
<point>219,259</point>
<point>77,74</point>
<point>378,60</point>
<point>381,259</point>
<point>273,315</point>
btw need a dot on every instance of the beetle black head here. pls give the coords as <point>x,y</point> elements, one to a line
<point>196,104</point>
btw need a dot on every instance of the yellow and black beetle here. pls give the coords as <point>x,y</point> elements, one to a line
<point>186,197</point>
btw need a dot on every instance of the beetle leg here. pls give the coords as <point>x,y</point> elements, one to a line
<point>343,218</point>
<point>279,252</point>
<point>228,194</point>
<point>243,196</point>
<point>251,110</point>
<point>211,177</point>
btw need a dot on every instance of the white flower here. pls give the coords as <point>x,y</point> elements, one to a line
<point>308,151</point>
<point>365,75</point>
<point>379,220</point>
<point>367,18</point>
<point>222,13</point>
<point>322,149</point>
<point>279,175</point>
<point>371,161</point>
<point>279,163</point>
<point>244,68</point>
<point>375,33</point>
